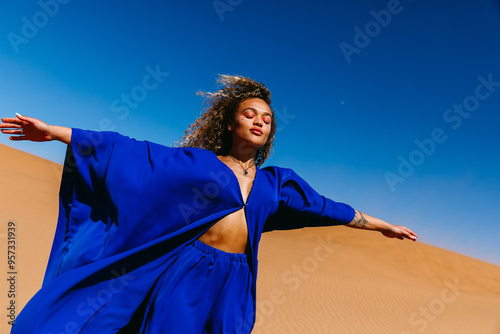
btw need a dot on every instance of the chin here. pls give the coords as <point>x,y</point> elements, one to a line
<point>258,145</point>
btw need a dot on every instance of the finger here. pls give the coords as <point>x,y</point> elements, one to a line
<point>24,119</point>
<point>410,235</point>
<point>11,120</point>
<point>17,138</point>
<point>10,126</point>
<point>13,132</point>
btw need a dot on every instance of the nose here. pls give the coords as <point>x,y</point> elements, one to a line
<point>258,121</point>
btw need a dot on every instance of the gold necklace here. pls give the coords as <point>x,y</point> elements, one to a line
<point>245,170</point>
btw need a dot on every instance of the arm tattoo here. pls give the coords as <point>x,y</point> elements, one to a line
<point>359,220</point>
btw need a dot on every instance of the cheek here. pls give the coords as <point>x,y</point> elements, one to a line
<point>243,121</point>
<point>267,133</point>
<point>268,128</point>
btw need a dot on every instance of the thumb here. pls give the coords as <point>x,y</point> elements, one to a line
<point>24,118</point>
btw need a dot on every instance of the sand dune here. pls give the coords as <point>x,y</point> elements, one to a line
<point>316,280</point>
<point>340,280</point>
<point>28,200</point>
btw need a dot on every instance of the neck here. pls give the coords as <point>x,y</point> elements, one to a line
<point>246,155</point>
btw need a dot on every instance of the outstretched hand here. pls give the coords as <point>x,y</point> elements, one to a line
<point>400,232</point>
<point>364,221</point>
<point>26,128</point>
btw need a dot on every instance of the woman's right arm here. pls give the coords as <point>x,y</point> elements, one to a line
<point>28,128</point>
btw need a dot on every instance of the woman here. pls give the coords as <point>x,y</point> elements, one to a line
<point>152,239</point>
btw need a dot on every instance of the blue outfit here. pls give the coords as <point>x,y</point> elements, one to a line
<point>208,288</point>
<point>125,256</point>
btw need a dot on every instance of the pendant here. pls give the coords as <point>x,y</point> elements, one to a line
<point>245,172</point>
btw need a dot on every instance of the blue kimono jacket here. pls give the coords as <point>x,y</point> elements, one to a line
<point>128,207</point>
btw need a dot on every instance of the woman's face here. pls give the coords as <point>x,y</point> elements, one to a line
<point>252,124</point>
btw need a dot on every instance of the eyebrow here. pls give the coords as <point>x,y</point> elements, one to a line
<point>255,110</point>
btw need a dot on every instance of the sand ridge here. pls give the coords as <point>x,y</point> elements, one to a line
<point>312,280</point>
<point>371,284</point>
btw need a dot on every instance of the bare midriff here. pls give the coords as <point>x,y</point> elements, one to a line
<point>230,234</point>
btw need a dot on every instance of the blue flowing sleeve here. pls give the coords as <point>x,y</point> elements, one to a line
<point>118,193</point>
<point>82,194</point>
<point>301,206</point>
<point>114,195</point>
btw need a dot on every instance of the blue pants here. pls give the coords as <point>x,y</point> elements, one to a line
<point>205,290</point>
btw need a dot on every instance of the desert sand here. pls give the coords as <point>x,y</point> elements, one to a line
<point>313,280</point>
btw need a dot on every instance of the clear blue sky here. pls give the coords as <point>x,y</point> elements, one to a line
<point>392,107</point>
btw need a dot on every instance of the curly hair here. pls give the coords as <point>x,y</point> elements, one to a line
<point>210,131</point>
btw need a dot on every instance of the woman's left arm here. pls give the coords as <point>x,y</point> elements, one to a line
<point>367,222</point>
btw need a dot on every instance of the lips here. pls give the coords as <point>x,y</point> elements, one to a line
<point>256,131</point>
